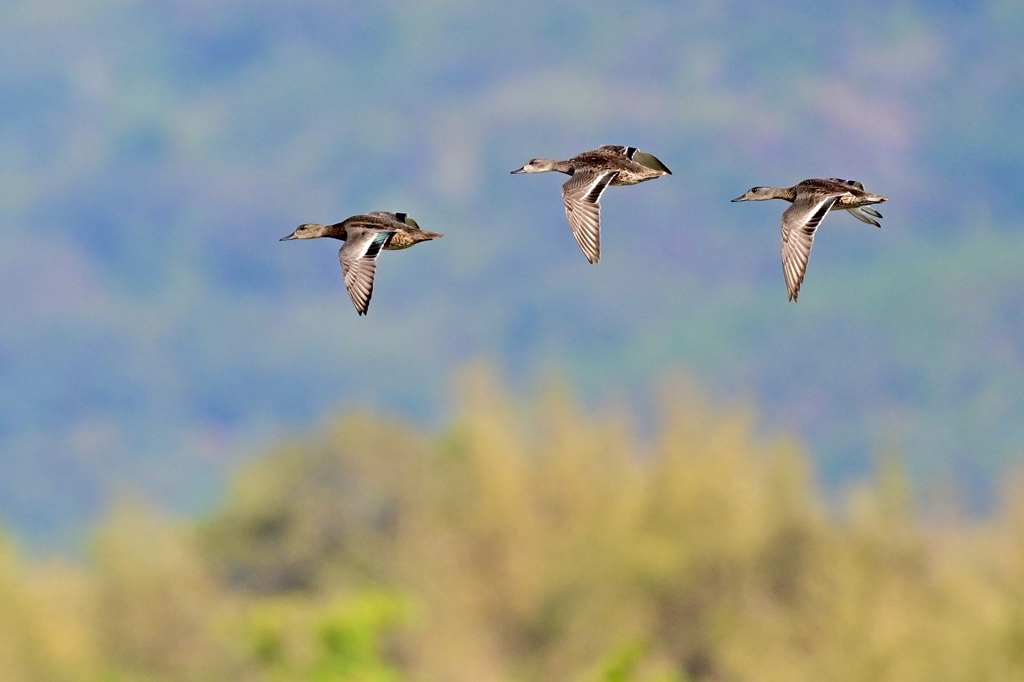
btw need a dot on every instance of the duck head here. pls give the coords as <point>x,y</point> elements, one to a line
<point>757,194</point>
<point>306,231</point>
<point>537,166</point>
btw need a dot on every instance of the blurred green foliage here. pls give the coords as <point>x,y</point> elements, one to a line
<point>531,540</point>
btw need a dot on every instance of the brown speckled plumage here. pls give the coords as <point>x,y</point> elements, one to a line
<point>811,200</point>
<point>592,172</point>
<point>365,236</point>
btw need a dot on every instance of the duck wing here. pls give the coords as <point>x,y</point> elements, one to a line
<point>387,218</point>
<point>636,156</point>
<point>359,263</point>
<point>619,149</point>
<point>647,160</point>
<point>865,215</point>
<point>799,222</point>
<point>582,196</point>
<point>861,213</point>
<point>856,184</point>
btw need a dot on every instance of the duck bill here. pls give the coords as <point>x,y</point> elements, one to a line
<point>519,170</point>
<point>742,198</point>
<point>288,238</point>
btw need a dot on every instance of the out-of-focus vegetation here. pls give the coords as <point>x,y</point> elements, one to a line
<point>530,541</point>
<point>152,154</point>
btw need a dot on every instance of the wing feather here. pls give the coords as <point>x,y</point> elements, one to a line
<point>359,263</point>
<point>799,223</point>
<point>864,215</point>
<point>582,196</point>
<point>648,161</point>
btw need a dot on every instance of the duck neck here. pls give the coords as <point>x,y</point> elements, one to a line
<point>336,231</point>
<point>787,193</point>
<point>563,167</point>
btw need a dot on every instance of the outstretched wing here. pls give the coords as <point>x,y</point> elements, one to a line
<point>582,196</point>
<point>799,222</point>
<point>359,263</point>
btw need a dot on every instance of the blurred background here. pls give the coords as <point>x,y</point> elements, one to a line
<point>518,465</point>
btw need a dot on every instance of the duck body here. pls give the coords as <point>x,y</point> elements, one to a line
<point>591,173</point>
<point>811,200</point>
<point>365,236</point>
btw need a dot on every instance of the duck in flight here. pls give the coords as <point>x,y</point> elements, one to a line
<point>591,172</point>
<point>365,236</point>
<point>811,200</point>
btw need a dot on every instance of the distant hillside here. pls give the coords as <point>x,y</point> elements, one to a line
<point>157,333</point>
